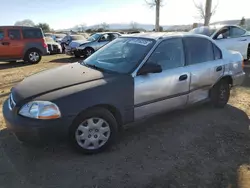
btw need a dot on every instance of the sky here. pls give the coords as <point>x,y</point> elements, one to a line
<point>60,14</point>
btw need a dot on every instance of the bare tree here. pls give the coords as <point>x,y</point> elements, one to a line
<point>157,4</point>
<point>104,26</point>
<point>82,27</point>
<point>205,12</point>
<point>133,25</point>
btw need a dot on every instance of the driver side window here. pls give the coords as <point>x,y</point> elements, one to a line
<point>223,33</point>
<point>168,54</point>
<point>104,37</point>
<point>236,32</point>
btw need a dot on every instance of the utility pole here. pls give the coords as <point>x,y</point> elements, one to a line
<point>208,12</point>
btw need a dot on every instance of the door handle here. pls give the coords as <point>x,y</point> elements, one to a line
<point>218,68</point>
<point>5,43</point>
<point>183,77</point>
<point>243,40</point>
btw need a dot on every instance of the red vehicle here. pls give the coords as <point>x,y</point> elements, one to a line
<point>22,43</point>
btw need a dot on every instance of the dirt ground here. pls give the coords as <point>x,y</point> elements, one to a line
<point>196,147</point>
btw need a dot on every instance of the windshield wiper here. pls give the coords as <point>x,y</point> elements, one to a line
<point>93,67</point>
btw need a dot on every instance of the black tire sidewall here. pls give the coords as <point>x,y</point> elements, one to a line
<point>85,51</point>
<point>215,94</point>
<point>95,112</point>
<point>28,59</point>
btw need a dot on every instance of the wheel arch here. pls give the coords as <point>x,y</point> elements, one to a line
<point>228,78</point>
<point>89,48</point>
<point>112,109</point>
<point>33,48</point>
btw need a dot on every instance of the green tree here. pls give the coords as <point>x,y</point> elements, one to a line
<point>26,22</point>
<point>44,26</point>
<point>242,21</point>
<point>89,30</point>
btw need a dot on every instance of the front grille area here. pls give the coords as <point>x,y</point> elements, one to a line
<point>11,102</point>
<point>49,47</point>
<point>55,47</point>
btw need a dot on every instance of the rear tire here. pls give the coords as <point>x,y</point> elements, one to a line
<point>93,131</point>
<point>33,56</point>
<point>220,93</point>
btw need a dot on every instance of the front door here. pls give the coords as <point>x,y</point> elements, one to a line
<point>233,38</point>
<point>157,92</point>
<point>16,45</point>
<point>104,39</point>
<point>205,64</point>
<point>4,44</point>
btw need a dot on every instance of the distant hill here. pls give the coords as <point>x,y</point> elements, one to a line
<point>231,22</point>
<point>150,27</point>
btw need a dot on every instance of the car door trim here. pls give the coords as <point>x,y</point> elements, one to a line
<point>171,96</point>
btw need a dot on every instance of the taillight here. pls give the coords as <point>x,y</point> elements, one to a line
<point>44,43</point>
<point>242,64</point>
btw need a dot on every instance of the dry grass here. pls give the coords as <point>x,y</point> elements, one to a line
<point>12,73</point>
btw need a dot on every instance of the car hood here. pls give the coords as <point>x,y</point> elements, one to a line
<point>77,43</point>
<point>54,43</point>
<point>55,79</point>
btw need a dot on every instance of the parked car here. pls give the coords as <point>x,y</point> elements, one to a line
<point>76,39</point>
<point>59,37</point>
<point>22,43</point>
<point>128,79</point>
<point>231,37</point>
<point>53,47</point>
<point>92,44</point>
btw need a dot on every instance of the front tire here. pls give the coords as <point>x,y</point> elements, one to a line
<point>93,131</point>
<point>33,56</point>
<point>88,52</point>
<point>220,94</point>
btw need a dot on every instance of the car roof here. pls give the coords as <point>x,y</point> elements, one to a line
<point>163,35</point>
<point>21,27</point>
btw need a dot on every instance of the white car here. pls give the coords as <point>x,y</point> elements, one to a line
<point>231,37</point>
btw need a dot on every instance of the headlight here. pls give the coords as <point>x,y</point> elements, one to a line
<point>40,110</point>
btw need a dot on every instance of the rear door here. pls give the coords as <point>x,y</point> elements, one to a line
<point>16,44</point>
<point>157,92</point>
<point>205,64</point>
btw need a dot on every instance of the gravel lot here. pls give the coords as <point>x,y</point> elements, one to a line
<point>196,147</point>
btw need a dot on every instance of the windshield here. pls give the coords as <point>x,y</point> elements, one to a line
<point>78,37</point>
<point>49,39</point>
<point>121,55</point>
<point>203,31</point>
<point>94,37</point>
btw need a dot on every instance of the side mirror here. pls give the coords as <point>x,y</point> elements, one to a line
<point>149,68</point>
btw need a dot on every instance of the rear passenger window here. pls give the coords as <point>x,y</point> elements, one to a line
<point>168,54</point>
<point>32,34</point>
<point>198,50</point>
<point>1,34</point>
<point>217,52</point>
<point>14,34</point>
